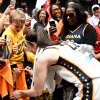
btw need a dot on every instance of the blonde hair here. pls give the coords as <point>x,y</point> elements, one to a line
<point>17,16</point>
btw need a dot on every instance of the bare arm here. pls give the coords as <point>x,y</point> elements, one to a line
<point>49,57</point>
<point>6,12</point>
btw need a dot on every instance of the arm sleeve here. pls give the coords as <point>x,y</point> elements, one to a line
<point>90,35</point>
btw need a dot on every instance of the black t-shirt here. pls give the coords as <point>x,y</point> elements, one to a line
<point>89,35</point>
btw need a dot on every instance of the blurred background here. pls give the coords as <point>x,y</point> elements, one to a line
<point>29,5</point>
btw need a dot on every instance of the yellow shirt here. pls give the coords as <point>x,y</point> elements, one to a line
<point>15,38</point>
<point>30,56</point>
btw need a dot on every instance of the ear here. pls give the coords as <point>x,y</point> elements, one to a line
<point>34,45</point>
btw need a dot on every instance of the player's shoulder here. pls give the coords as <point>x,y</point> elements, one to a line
<point>49,55</point>
<point>52,50</point>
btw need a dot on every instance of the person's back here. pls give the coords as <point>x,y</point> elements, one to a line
<point>79,67</point>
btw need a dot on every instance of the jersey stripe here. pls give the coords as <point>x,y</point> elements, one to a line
<point>86,80</point>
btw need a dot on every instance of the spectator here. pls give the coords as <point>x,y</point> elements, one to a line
<point>56,15</point>
<point>34,19</point>
<point>56,12</point>
<point>77,30</point>
<point>94,20</point>
<point>42,18</point>
<point>15,35</point>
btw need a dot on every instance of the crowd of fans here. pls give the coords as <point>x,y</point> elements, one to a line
<point>70,23</point>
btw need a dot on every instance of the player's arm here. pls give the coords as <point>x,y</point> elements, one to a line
<point>48,57</point>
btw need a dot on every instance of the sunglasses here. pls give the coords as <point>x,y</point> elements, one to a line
<point>96,8</point>
<point>71,15</point>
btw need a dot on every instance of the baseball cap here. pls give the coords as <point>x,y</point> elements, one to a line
<point>95,6</point>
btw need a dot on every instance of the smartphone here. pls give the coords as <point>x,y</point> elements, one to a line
<point>13,2</point>
<point>52,23</point>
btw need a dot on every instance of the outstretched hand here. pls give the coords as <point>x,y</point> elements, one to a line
<point>9,9</point>
<point>16,94</point>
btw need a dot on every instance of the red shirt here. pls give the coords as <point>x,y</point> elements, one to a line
<point>97,46</point>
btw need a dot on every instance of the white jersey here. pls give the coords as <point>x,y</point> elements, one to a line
<point>49,85</point>
<point>79,67</point>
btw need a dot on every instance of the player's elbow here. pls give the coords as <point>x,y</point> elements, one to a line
<point>35,92</point>
<point>38,93</point>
